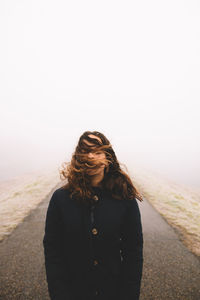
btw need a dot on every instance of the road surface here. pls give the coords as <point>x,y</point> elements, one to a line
<point>170,271</point>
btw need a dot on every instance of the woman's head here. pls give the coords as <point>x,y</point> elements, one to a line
<point>94,151</point>
<point>94,156</point>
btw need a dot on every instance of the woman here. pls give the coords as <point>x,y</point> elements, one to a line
<point>93,242</point>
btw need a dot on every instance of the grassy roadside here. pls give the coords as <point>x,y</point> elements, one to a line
<point>22,194</point>
<point>178,204</point>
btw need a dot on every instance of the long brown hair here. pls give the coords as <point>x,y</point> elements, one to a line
<point>116,182</point>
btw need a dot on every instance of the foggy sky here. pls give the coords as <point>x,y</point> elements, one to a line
<point>130,69</point>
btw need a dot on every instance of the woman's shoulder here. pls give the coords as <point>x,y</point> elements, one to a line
<point>131,204</point>
<point>59,195</point>
<point>62,190</point>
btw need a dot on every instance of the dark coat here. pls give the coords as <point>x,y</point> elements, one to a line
<point>93,252</point>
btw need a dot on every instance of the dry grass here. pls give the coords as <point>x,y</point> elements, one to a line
<point>20,195</point>
<point>178,204</point>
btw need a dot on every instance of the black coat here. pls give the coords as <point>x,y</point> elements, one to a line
<point>93,252</point>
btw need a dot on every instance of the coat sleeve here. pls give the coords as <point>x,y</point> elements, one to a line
<point>52,243</point>
<point>131,252</point>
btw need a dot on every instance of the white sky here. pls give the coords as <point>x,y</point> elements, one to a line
<point>130,69</point>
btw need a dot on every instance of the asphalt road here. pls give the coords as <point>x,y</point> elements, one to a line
<point>170,271</point>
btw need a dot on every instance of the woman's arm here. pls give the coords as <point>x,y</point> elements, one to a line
<point>52,242</point>
<point>131,252</point>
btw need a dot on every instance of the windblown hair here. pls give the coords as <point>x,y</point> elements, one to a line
<point>116,182</point>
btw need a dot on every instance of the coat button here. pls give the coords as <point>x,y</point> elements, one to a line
<point>94,231</point>
<point>95,198</point>
<point>95,262</point>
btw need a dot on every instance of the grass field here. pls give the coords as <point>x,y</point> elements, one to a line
<point>178,204</point>
<point>20,195</point>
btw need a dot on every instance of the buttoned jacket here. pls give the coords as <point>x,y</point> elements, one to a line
<point>93,252</point>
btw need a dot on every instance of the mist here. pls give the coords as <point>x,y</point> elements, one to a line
<point>127,69</point>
